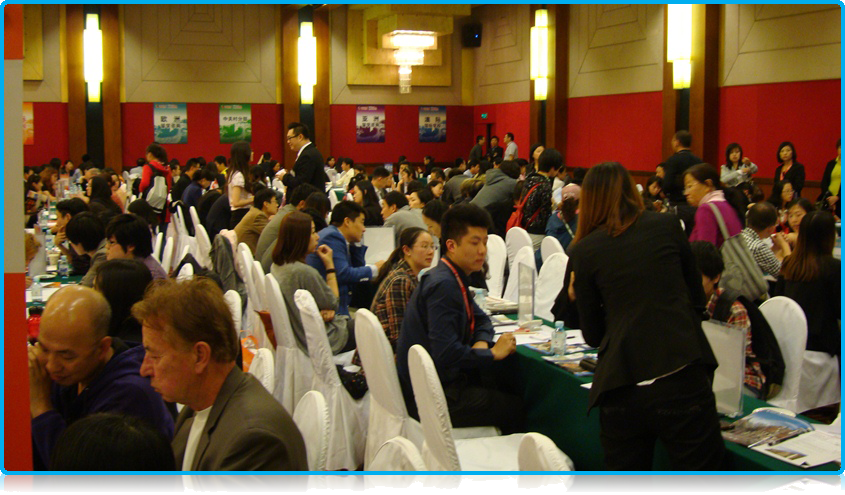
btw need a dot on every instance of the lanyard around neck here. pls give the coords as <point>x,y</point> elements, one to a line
<point>470,314</point>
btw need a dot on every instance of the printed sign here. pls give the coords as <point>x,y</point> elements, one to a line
<point>432,124</point>
<point>370,124</point>
<point>170,123</point>
<point>235,123</point>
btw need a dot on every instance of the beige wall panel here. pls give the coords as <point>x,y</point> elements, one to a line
<point>200,53</point>
<point>502,60</point>
<point>33,43</point>
<point>779,43</point>
<point>615,49</point>
<point>343,93</point>
<point>49,87</point>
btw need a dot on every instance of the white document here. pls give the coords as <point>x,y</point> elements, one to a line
<point>806,450</point>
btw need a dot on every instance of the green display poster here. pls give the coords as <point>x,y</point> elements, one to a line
<point>170,123</point>
<point>235,123</point>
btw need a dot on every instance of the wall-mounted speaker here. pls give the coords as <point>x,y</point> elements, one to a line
<point>471,35</point>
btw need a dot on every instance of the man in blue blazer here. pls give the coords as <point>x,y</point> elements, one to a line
<point>344,236</point>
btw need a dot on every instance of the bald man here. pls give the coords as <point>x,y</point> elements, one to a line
<point>76,369</point>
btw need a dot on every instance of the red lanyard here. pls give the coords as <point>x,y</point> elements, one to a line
<point>470,314</point>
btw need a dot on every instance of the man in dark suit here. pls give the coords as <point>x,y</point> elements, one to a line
<point>230,422</point>
<point>308,168</point>
<point>673,179</point>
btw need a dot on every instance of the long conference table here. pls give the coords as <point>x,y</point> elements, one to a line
<point>556,406</point>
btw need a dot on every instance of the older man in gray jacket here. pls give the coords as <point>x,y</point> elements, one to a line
<point>499,184</point>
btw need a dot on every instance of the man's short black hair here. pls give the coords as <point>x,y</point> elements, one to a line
<point>684,138</point>
<point>220,159</point>
<point>550,159</point>
<point>299,128</point>
<point>458,161</point>
<point>435,209</point>
<point>494,137</point>
<point>266,195</point>
<point>318,201</point>
<point>472,162</point>
<point>455,171</point>
<point>396,198</point>
<point>204,173</point>
<point>509,135</point>
<point>425,195</point>
<point>192,162</point>
<point>510,168</point>
<point>709,258</point>
<point>300,193</point>
<point>761,216</point>
<point>140,162</point>
<point>158,152</point>
<point>381,172</point>
<point>344,210</point>
<point>86,229</point>
<point>485,166</point>
<point>415,186</point>
<point>478,138</point>
<point>71,206</point>
<point>131,230</point>
<point>458,219</point>
<point>429,158</point>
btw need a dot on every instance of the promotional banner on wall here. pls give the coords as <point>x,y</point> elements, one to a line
<point>370,122</point>
<point>432,124</point>
<point>170,123</point>
<point>235,123</point>
<point>28,124</point>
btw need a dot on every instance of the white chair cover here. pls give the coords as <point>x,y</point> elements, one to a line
<point>277,184</point>
<point>186,273</point>
<point>157,246</point>
<point>262,367</point>
<point>526,256</point>
<point>497,258</point>
<point>203,242</point>
<point>260,291</point>
<point>515,239</point>
<point>789,325</point>
<point>348,419</point>
<point>549,246</point>
<point>233,300</point>
<point>294,373</point>
<point>242,253</point>
<point>820,379</point>
<point>312,419</point>
<point>397,454</point>
<point>538,453</point>
<point>252,323</point>
<point>167,256</point>
<point>549,284</point>
<point>380,242</point>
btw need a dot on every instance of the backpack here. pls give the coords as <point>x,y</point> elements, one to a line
<point>763,340</point>
<point>741,272</point>
<point>516,217</point>
<point>156,192</point>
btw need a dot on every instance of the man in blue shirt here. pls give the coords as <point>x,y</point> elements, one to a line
<point>200,181</point>
<point>344,237</point>
<point>442,317</point>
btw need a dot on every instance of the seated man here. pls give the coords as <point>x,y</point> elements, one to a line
<point>382,181</point>
<point>263,207</point>
<point>230,422</point>
<point>86,234</point>
<point>128,237</point>
<point>442,317</point>
<point>76,369</point>
<point>398,214</point>
<point>761,221</point>
<point>65,210</point>
<point>200,181</point>
<point>267,240</point>
<point>344,236</point>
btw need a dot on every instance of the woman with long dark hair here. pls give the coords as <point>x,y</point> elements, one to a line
<point>123,283</point>
<point>789,170</point>
<point>811,277</point>
<point>99,199</point>
<point>737,168</point>
<point>795,212</point>
<point>655,367</point>
<point>702,186</point>
<point>365,195</point>
<point>239,183</point>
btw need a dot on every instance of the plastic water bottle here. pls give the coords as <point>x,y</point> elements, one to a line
<point>36,290</point>
<point>48,237</point>
<point>481,299</point>
<point>559,339</point>
<point>63,266</point>
<point>43,217</point>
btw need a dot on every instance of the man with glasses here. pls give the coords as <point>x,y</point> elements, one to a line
<point>308,168</point>
<point>128,237</point>
<point>76,369</point>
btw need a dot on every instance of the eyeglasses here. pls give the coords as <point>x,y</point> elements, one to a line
<point>425,247</point>
<point>288,138</point>
<point>110,242</point>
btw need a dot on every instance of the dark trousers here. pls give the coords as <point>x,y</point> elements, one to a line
<point>474,400</point>
<point>236,217</point>
<point>679,410</point>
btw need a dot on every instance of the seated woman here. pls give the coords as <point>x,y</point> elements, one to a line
<point>432,213</point>
<point>123,283</point>
<point>418,199</point>
<point>737,168</point>
<point>563,223</point>
<point>782,195</point>
<point>297,239</point>
<point>653,194</point>
<point>436,188</point>
<point>365,195</point>
<point>100,201</point>
<point>811,277</point>
<point>702,186</point>
<point>795,211</point>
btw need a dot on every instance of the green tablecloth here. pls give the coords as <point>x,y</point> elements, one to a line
<point>556,406</point>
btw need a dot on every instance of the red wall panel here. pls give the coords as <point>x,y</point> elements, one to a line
<point>51,135</point>
<point>623,128</point>
<point>18,442</point>
<point>759,117</point>
<point>203,132</point>
<point>401,136</point>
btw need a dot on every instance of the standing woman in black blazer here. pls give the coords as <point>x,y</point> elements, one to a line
<point>633,280</point>
<point>789,170</point>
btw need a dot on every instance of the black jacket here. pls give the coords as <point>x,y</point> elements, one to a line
<point>673,181</point>
<point>308,169</point>
<point>828,171</point>
<point>795,176</point>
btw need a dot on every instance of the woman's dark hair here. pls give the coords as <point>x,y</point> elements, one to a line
<point>609,200</point>
<point>31,181</point>
<point>370,195</point>
<point>425,195</point>
<point>804,203</point>
<point>257,173</point>
<point>112,442</point>
<point>435,209</point>
<point>549,159</point>
<point>653,179</point>
<point>407,238</point>
<point>294,237</point>
<point>239,162</point>
<point>415,185</point>
<point>100,190</point>
<point>319,220</point>
<point>777,193</point>
<point>815,242</point>
<point>157,151</point>
<point>330,158</point>
<point>123,283</point>
<point>794,153</point>
<point>141,208</point>
<point>432,183</point>
<point>320,202</point>
<point>704,172</point>
<point>131,230</point>
<point>731,147</point>
<point>533,149</point>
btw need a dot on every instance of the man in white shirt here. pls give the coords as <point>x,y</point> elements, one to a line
<point>511,151</point>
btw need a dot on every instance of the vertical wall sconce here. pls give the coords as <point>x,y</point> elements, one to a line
<point>93,56</point>
<point>540,54</point>
<point>679,44</point>
<point>307,62</point>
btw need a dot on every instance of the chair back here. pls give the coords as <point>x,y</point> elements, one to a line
<point>317,341</point>
<point>397,454</point>
<point>157,246</point>
<point>515,239</point>
<point>203,246</point>
<point>167,256</point>
<point>312,419</point>
<point>278,313</point>
<point>380,242</point>
<point>186,272</point>
<point>263,368</point>
<point>260,287</point>
<point>789,325</point>
<point>526,256</point>
<point>244,259</point>
<point>233,300</point>
<point>497,258</point>
<point>549,284</point>
<point>549,246</point>
<point>538,453</point>
<point>439,452</point>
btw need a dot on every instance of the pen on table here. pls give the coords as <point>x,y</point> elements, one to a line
<point>783,439</point>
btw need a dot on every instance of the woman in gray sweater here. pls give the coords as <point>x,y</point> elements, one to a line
<point>297,239</point>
